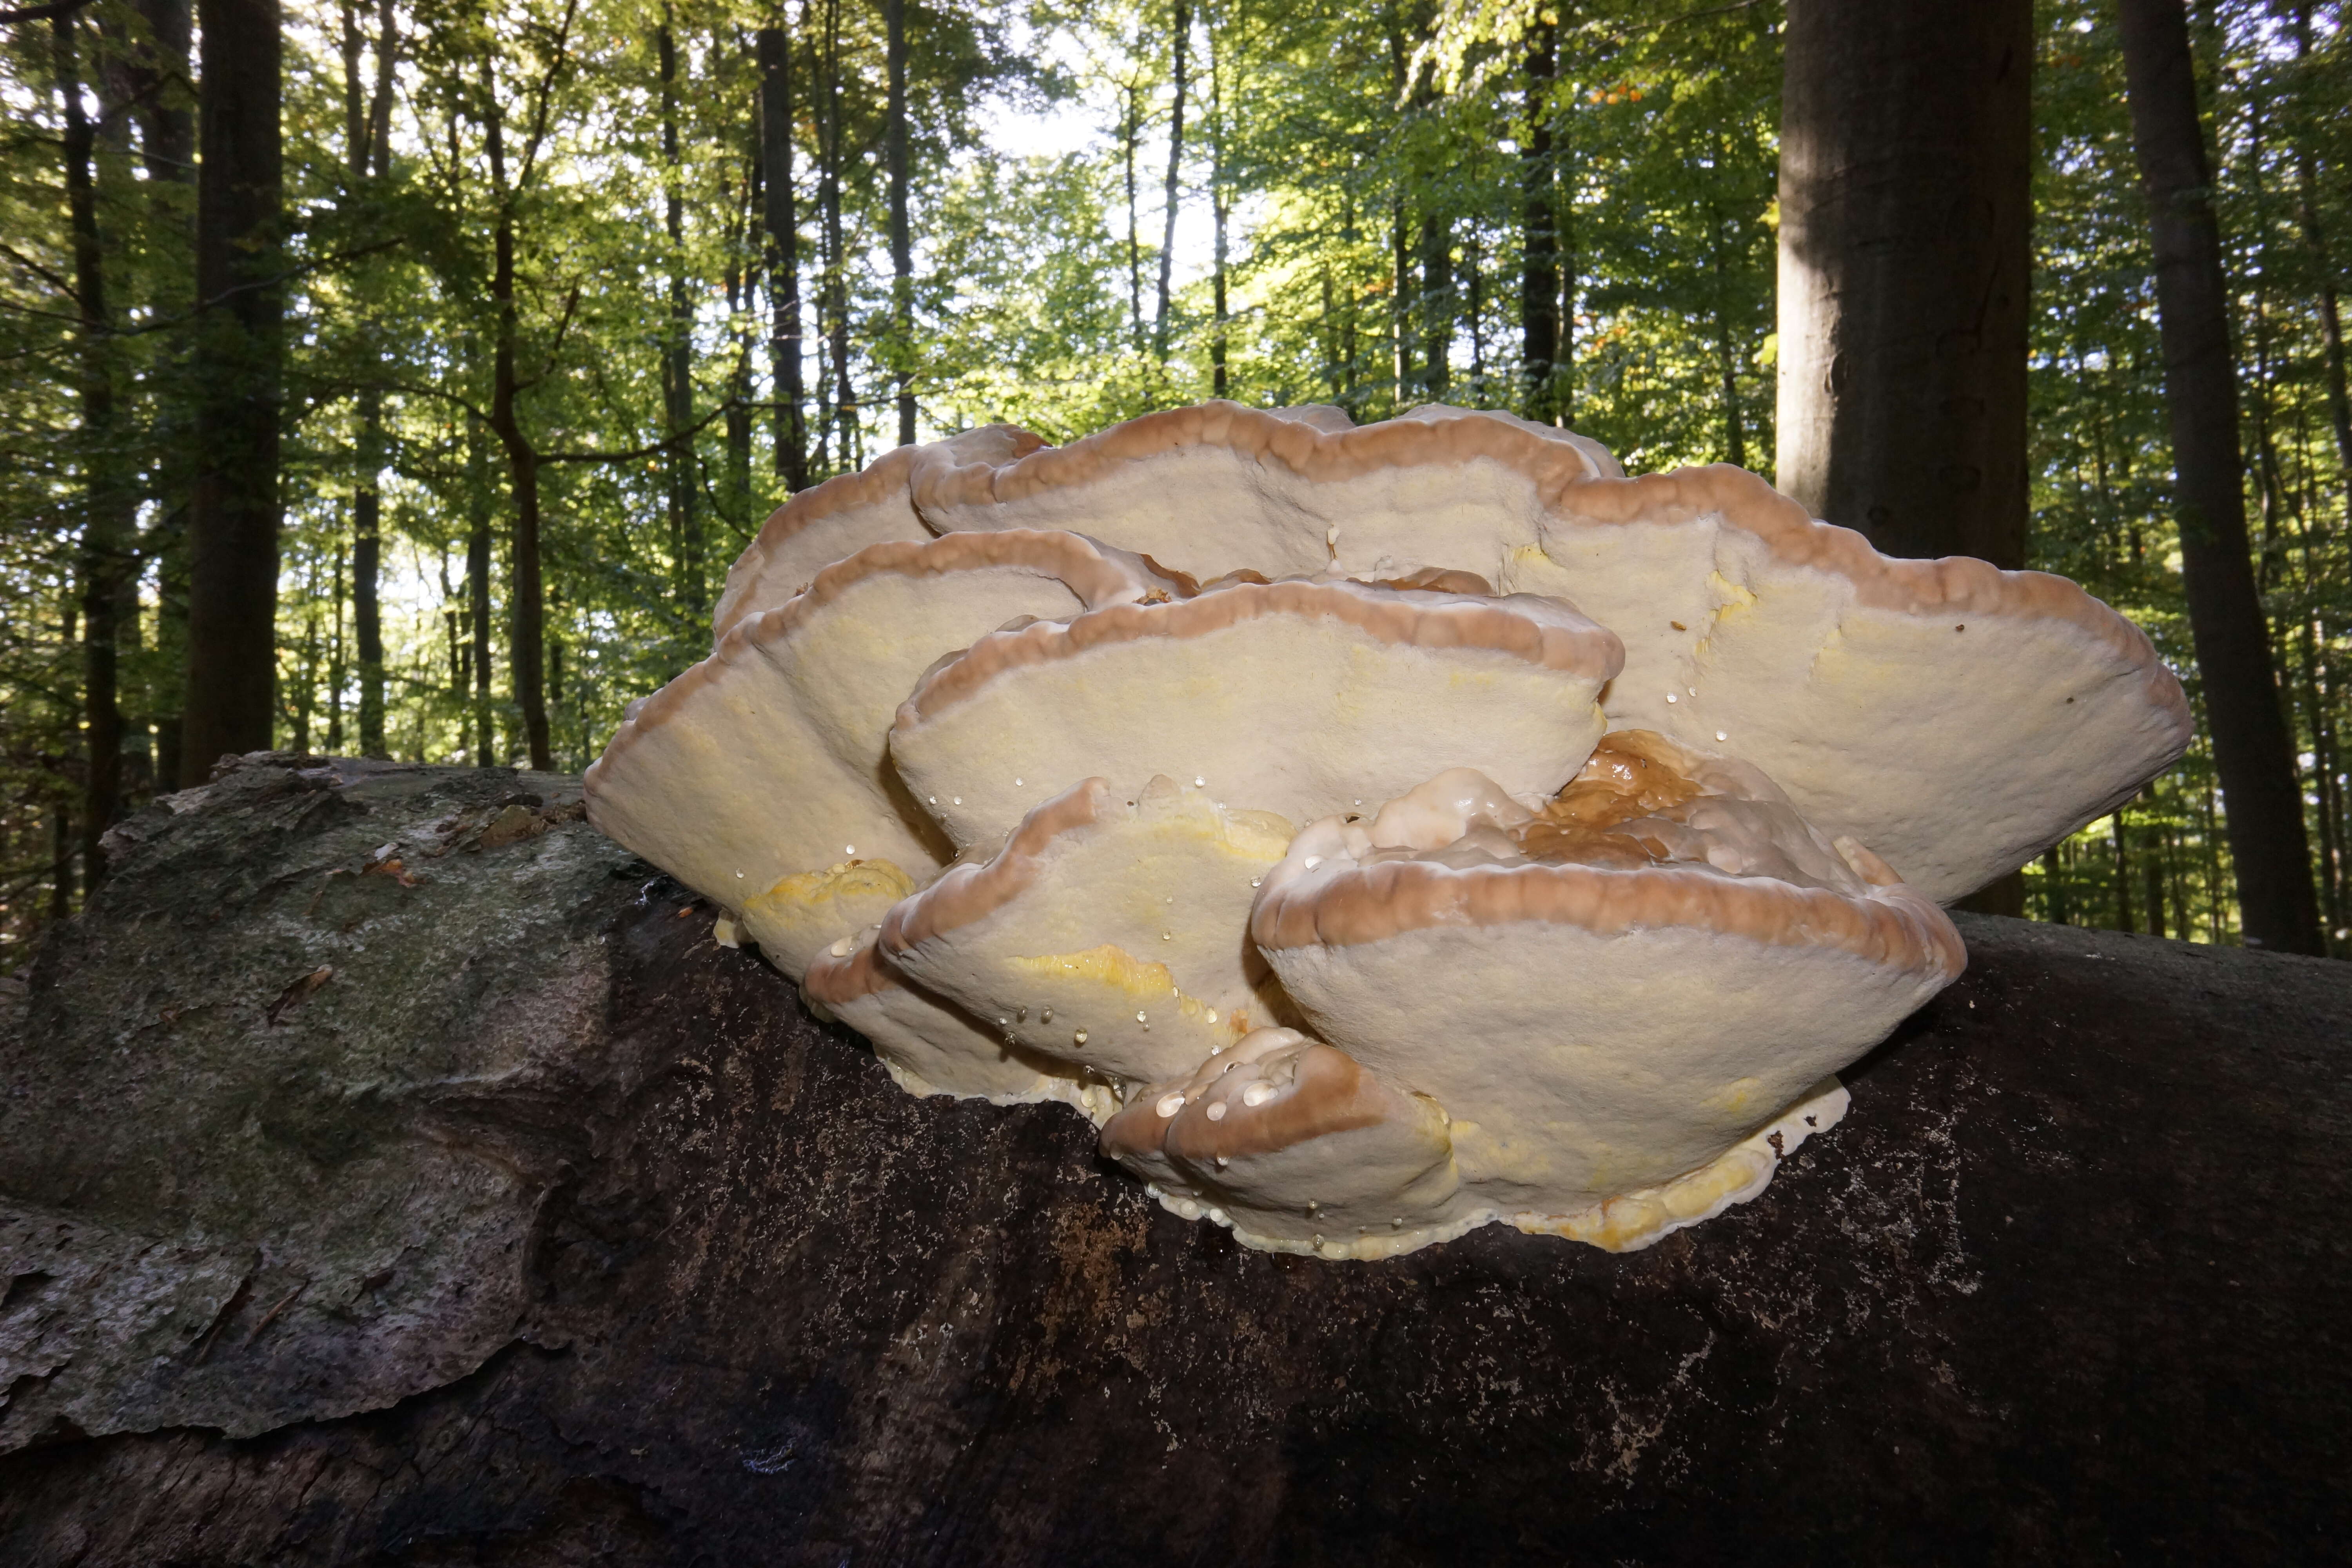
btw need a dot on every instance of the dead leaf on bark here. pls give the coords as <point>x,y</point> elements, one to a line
<point>301,990</point>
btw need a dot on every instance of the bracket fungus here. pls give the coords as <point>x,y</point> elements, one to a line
<point>1627,802</point>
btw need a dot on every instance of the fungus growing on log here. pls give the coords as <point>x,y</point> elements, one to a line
<point>1514,969</point>
<point>1284,696</point>
<point>758,778</point>
<point>1955,717</point>
<point>1104,933</point>
<point>1609,992</point>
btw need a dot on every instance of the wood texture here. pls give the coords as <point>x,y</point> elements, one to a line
<point>2065,1284</point>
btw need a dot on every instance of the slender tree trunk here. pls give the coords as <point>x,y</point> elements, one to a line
<point>678,352</point>
<point>1906,213</point>
<point>338,663</point>
<point>902,257</point>
<point>783,255</point>
<point>2252,750</point>
<point>1131,126</point>
<point>1219,208</point>
<point>2331,320</point>
<point>2124,921</point>
<point>1539,227</point>
<point>836,285</point>
<point>233,518</point>
<point>157,70</point>
<point>366,152</point>
<point>477,591</point>
<point>1175,170</point>
<point>109,515</point>
<point>525,605</point>
<point>1437,304</point>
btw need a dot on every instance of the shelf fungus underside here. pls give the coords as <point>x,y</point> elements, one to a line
<point>1377,832</point>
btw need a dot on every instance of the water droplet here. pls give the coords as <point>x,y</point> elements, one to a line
<point>849,849</point>
<point>959,800</point>
<point>1080,1038</point>
<point>1199,782</point>
<point>1217,1112</point>
<point>932,798</point>
<point>1046,1016</point>
<point>1212,1014</point>
<point>1138,1017</point>
<point>1670,697</point>
<point>1256,881</point>
<point>1017,783</point>
<point>1222,1162</point>
<point>1167,936</point>
<point>1257,1094</point>
<point>1721,736</point>
<point>1170,1104</point>
<point>1313,862</point>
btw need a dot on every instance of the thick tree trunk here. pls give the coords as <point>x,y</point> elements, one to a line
<point>2252,749</point>
<point>234,516</point>
<point>167,138</point>
<point>471,1205</point>
<point>1905,213</point>
<point>902,255</point>
<point>1538,227</point>
<point>1180,37</point>
<point>784,352</point>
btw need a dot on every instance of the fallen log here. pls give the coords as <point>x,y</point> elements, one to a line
<point>393,1168</point>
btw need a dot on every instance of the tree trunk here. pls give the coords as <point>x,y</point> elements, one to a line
<point>902,255</point>
<point>1437,303</point>
<point>109,505</point>
<point>836,282</point>
<point>783,255</point>
<point>168,149</point>
<point>1538,227</point>
<point>1220,209</point>
<point>1906,213</point>
<point>525,605</point>
<point>491,1212</point>
<point>366,153</point>
<point>234,516</point>
<point>1131,126</point>
<point>2331,320</point>
<point>2252,750</point>
<point>2124,921</point>
<point>677,349</point>
<point>478,593</point>
<point>1183,30</point>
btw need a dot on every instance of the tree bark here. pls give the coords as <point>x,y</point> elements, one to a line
<point>1905,213</point>
<point>1538,227</point>
<point>488,1211</point>
<point>234,515</point>
<point>2252,750</point>
<point>784,352</point>
<point>836,280</point>
<point>1183,29</point>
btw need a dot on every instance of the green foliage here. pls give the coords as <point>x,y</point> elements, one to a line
<point>1368,164</point>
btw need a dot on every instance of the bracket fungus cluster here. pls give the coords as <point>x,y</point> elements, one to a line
<point>1382,831</point>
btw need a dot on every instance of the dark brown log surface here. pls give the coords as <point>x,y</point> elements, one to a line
<point>542,1230</point>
